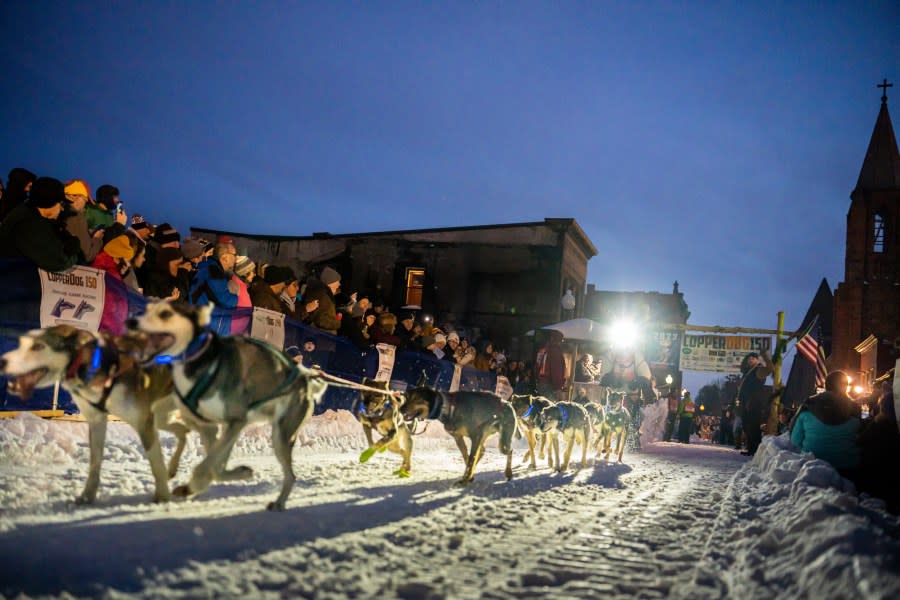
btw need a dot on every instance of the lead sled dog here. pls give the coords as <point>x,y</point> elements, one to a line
<point>230,381</point>
<point>105,376</point>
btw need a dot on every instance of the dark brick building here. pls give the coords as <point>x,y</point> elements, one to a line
<point>866,320</point>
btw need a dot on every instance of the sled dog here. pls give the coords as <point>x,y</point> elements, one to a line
<point>615,424</point>
<point>380,413</point>
<point>231,381</point>
<point>572,424</point>
<point>476,415</point>
<point>105,376</point>
<point>527,410</point>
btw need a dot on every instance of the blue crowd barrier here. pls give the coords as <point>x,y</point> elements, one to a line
<point>20,312</point>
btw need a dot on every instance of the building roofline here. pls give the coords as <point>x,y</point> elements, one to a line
<point>326,235</point>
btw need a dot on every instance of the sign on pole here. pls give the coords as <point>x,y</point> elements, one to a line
<point>268,326</point>
<point>75,297</point>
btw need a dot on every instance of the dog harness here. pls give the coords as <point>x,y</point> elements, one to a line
<point>86,371</point>
<point>192,399</point>
<point>564,413</point>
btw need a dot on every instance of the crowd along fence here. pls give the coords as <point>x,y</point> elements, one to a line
<point>28,295</point>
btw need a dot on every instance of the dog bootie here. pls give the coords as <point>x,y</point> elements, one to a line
<point>367,454</point>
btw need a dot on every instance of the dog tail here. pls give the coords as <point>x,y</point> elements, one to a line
<point>509,425</point>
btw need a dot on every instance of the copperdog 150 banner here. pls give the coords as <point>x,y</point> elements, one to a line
<point>74,297</point>
<point>720,353</point>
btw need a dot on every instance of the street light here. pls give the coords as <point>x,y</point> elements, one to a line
<point>568,300</point>
<point>623,334</point>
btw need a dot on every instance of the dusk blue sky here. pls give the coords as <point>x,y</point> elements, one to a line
<point>715,143</point>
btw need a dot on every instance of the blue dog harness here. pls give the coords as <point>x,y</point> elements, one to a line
<point>198,347</point>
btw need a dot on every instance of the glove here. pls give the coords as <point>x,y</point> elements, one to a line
<point>233,287</point>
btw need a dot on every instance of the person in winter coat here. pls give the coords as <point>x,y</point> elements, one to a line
<point>32,229</point>
<point>323,289</point>
<point>114,260</point>
<point>752,395</point>
<point>212,281</point>
<point>351,327</point>
<point>163,281</point>
<point>18,186</point>
<point>726,428</point>
<point>550,368</point>
<point>827,425</point>
<point>265,292</point>
<point>78,194</point>
<point>879,444</point>
<point>382,331</point>
<point>685,418</point>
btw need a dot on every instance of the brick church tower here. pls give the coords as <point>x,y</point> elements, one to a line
<point>866,325</point>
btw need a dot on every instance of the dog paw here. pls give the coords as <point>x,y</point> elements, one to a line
<point>82,499</point>
<point>182,491</point>
<point>275,507</point>
<point>240,472</point>
<point>401,473</point>
<point>367,454</point>
<point>161,498</point>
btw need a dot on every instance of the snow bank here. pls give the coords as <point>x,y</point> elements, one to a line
<point>785,510</point>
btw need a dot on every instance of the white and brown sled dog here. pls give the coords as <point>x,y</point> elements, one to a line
<point>105,376</point>
<point>476,415</point>
<point>231,381</point>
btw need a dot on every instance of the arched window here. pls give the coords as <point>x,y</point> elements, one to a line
<point>878,234</point>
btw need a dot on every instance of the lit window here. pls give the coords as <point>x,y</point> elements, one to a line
<point>878,235</point>
<point>415,283</point>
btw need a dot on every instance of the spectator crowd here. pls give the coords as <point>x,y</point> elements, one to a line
<point>59,225</point>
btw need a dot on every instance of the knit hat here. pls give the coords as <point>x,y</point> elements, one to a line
<point>427,340</point>
<point>191,248</point>
<point>408,316</point>
<point>105,195</point>
<point>225,239</point>
<point>440,338</point>
<point>288,274</point>
<point>138,223</point>
<point>453,336</point>
<point>274,274</point>
<point>119,247</point>
<point>243,266</point>
<point>77,187</point>
<point>165,233</point>
<point>46,192</point>
<point>329,276</point>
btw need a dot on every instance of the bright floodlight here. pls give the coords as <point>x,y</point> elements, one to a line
<point>623,334</point>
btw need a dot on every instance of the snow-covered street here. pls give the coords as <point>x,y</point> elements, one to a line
<point>683,521</point>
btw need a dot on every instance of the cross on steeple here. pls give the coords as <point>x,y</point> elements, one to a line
<point>884,85</point>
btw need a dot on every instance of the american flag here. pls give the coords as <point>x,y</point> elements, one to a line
<point>808,345</point>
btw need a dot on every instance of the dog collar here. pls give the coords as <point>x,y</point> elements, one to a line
<point>194,349</point>
<point>529,411</point>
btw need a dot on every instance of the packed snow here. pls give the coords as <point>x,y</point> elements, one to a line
<point>674,520</point>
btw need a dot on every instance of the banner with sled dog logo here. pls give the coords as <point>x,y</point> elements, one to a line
<point>386,356</point>
<point>268,326</point>
<point>75,297</point>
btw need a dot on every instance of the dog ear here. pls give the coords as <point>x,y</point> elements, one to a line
<point>204,315</point>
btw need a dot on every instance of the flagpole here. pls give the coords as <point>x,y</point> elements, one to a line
<point>775,409</point>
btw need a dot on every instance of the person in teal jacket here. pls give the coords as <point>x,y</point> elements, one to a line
<point>828,424</point>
